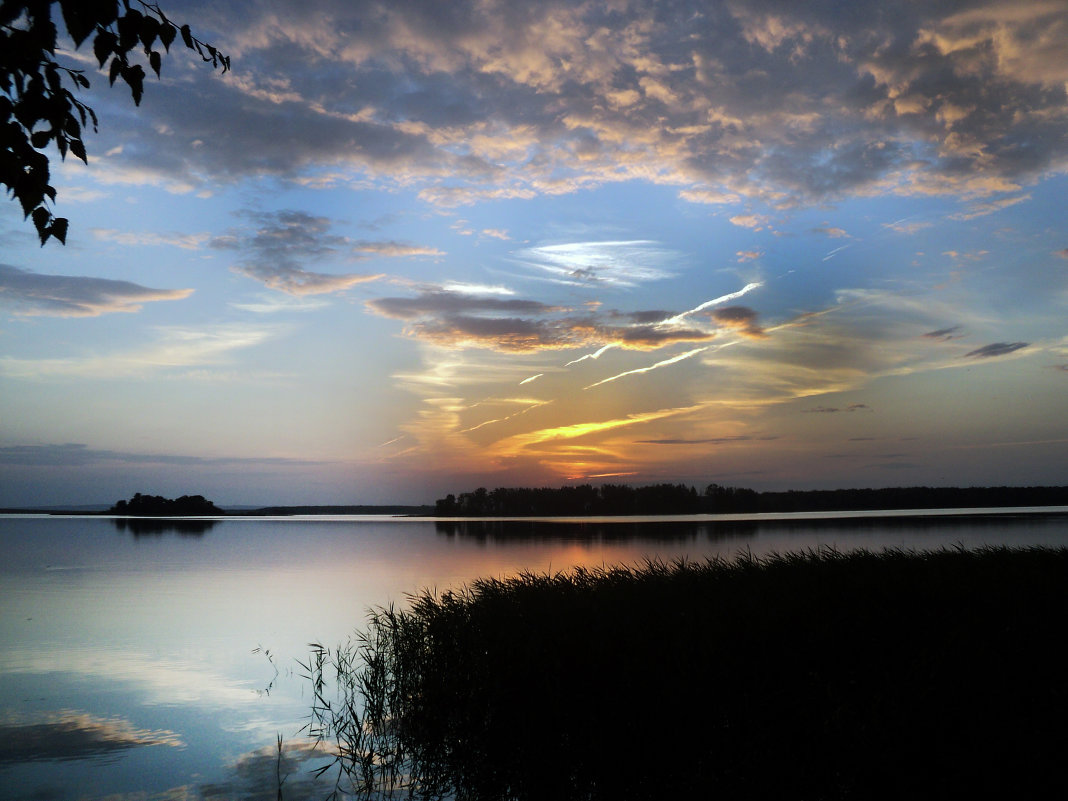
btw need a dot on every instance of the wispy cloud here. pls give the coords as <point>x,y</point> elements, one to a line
<point>193,241</point>
<point>996,349</point>
<point>989,207</point>
<point>614,263</point>
<point>40,294</point>
<point>174,348</point>
<point>79,455</point>
<point>907,226</point>
<point>945,334</point>
<point>853,407</point>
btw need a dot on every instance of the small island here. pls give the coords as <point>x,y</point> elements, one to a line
<point>157,506</point>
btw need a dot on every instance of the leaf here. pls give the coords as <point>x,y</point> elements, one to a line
<point>148,31</point>
<point>154,61</point>
<point>166,35</point>
<point>59,229</point>
<point>40,138</point>
<point>135,79</point>
<point>78,21</point>
<point>104,46</point>
<point>77,147</point>
<point>129,29</point>
<point>81,80</point>
<point>41,216</point>
<point>187,36</point>
<point>117,65</point>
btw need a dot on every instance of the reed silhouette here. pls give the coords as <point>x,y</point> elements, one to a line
<point>820,675</point>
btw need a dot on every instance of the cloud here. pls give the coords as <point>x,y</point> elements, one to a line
<point>785,104</point>
<point>996,349</point>
<point>393,249</point>
<point>79,455</point>
<point>619,263</point>
<point>41,294</point>
<point>706,441</point>
<point>283,242</point>
<point>989,207</point>
<point>1062,253</point>
<point>748,255</point>
<point>740,319</point>
<point>457,318</point>
<point>853,407</point>
<point>179,240</point>
<point>175,348</point>
<point>906,227</point>
<point>833,233</point>
<point>758,222</point>
<point>442,302</point>
<point>944,334</point>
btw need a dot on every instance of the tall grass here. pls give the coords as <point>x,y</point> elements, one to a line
<point>815,675</point>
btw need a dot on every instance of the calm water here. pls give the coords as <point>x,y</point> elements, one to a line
<point>163,662</point>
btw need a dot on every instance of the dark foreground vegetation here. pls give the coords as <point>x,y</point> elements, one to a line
<point>659,499</point>
<point>804,676</point>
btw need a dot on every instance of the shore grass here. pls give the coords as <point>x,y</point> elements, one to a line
<point>815,675</point>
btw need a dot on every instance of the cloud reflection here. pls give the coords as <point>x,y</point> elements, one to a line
<point>75,735</point>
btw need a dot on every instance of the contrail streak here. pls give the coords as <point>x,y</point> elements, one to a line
<point>595,355</point>
<point>664,363</point>
<point>745,290</point>
<point>532,378</point>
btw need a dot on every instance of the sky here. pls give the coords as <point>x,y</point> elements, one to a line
<point>405,249</point>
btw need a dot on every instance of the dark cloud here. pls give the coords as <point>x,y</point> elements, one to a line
<point>283,242</point>
<point>741,319</point>
<point>853,407</point>
<point>944,334</point>
<point>432,303</point>
<point>459,319</point>
<point>42,294</point>
<point>791,102</point>
<point>996,349</point>
<point>651,336</point>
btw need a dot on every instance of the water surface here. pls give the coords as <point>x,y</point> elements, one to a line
<point>160,659</point>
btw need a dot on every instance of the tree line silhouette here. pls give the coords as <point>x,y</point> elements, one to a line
<point>662,499</point>
<point>157,506</point>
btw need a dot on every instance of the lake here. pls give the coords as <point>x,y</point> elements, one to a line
<point>160,659</point>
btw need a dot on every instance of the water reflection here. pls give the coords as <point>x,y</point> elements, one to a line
<point>592,531</point>
<point>694,530</point>
<point>75,735</point>
<point>155,527</point>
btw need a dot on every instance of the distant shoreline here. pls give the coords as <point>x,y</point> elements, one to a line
<point>831,517</point>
